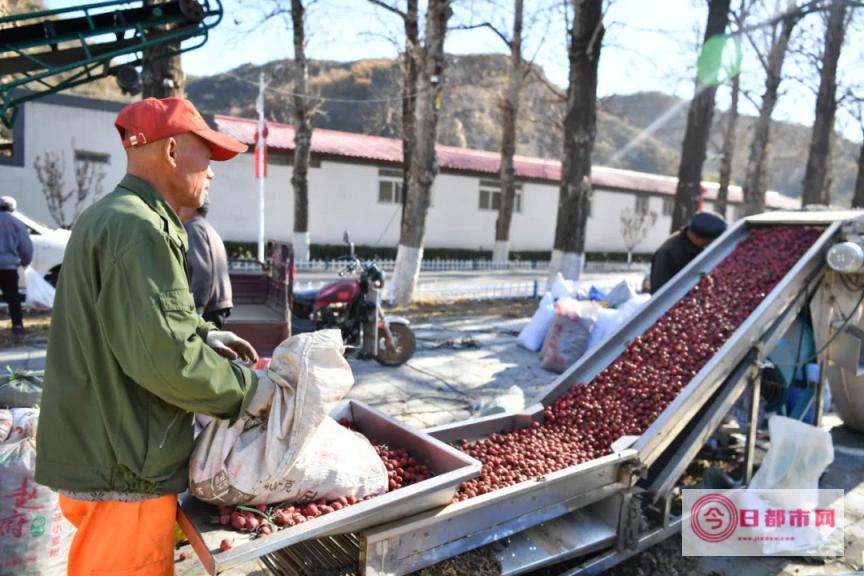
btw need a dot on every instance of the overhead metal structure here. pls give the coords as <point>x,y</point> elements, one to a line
<point>54,50</point>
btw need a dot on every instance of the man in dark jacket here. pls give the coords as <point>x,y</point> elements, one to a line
<point>16,250</point>
<point>683,246</point>
<point>208,267</point>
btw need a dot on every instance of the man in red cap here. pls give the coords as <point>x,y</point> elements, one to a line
<point>129,361</point>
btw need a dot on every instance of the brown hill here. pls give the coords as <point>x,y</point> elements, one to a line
<point>640,131</point>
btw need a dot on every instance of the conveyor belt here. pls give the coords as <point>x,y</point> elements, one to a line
<point>527,512</point>
<point>432,537</point>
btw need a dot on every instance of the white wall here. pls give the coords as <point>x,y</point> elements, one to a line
<point>342,195</point>
<point>534,227</point>
<point>234,201</point>
<point>53,128</point>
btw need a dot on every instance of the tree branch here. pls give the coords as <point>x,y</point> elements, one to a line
<point>494,29</point>
<point>556,91</point>
<point>389,8</point>
<point>750,98</point>
<point>746,33</point>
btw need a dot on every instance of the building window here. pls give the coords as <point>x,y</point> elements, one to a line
<point>642,204</point>
<point>92,157</point>
<point>389,186</point>
<point>490,196</point>
<point>668,206</point>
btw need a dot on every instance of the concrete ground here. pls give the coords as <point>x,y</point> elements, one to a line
<point>461,367</point>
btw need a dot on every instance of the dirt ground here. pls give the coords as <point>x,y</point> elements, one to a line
<point>426,311</point>
<point>36,323</point>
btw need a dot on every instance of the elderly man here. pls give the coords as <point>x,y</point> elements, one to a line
<point>208,266</point>
<point>16,250</point>
<point>129,361</point>
<point>683,246</point>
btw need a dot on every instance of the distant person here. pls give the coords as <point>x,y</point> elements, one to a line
<point>16,250</point>
<point>683,246</point>
<point>208,267</point>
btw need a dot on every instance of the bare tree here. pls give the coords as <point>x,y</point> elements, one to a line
<point>580,128</point>
<point>689,189</point>
<point>730,129</point>
<point>162,75</point>
<point>722,203</point>
<point>858,196</point>
<point>635,225</point>
<point>410,72</point>
<point>50,171</point>
<point>423,163</point>
<point>520,73</point>
<point>858,113</point>
<point>509,106</point>
<point>89,177</point>
<point>303,112</point>
<point>755,179</point>
<point>816,189</point>
<point>509,115</point>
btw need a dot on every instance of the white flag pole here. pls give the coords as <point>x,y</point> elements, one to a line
<point>260,158</point>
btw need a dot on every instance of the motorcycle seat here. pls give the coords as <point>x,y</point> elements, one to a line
<point>307,297</point>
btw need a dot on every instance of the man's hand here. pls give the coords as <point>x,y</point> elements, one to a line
<point>230,346</point>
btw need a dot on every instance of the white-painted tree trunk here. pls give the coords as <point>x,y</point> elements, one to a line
<point>301,246</point>
<point>570,264</point>
<point>501,252</point>
<point>405,273</point>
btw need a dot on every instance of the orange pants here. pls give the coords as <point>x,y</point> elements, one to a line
<point>118,538</point>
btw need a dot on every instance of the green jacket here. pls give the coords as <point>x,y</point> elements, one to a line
<point>127,362</point>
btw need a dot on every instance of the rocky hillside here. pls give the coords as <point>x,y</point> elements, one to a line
<point>640,131</point>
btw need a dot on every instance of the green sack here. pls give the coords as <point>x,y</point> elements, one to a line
<point>21,389</point>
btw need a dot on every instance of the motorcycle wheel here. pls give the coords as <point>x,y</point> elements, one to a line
<point>404,342</point>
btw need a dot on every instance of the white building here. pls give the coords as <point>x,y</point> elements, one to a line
<point>354,183</point>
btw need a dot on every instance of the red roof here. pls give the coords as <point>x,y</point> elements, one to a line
<point>389,150</point>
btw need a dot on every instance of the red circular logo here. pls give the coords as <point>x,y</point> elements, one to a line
<point>713,518</point>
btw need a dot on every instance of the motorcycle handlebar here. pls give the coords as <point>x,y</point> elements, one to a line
<point>354,264</point>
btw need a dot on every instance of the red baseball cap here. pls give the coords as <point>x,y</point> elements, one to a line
<point>152,119</point>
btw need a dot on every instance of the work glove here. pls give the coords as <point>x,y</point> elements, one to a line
<point>230,346</point>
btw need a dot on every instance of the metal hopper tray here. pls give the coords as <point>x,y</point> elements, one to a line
<point>449,466</point>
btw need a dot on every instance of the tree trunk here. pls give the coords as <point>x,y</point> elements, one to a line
<point>423,163</point>
<point>302,131</point>
<point>858,196</point>
<point>410,72</point>
<point>580,128</point>
<point>754,179</point>
<point>728,149</point>
<point>162,76</point>
<point>689,190</point>
<point>816,178</point>
<point>509,115</point>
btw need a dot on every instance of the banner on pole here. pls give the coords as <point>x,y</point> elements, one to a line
<point>261,153</point>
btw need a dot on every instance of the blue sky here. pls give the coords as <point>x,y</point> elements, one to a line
<point>649,45</point>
